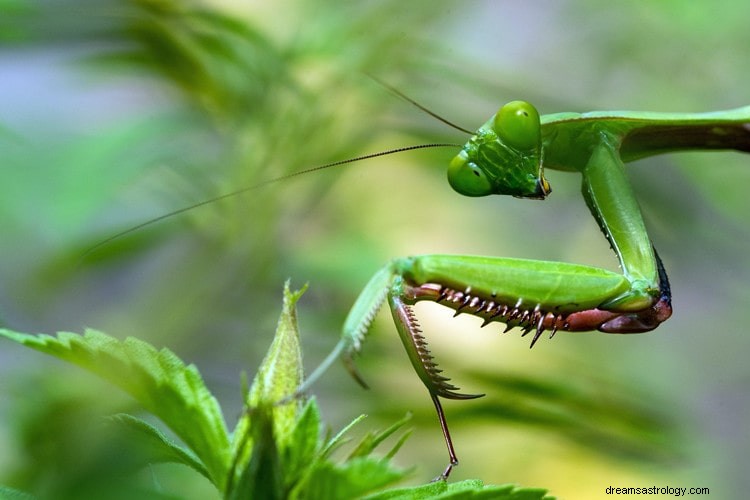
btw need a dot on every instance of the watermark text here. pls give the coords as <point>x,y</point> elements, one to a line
<point>655,490</point>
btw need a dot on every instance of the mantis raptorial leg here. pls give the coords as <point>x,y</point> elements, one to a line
<point>507,155</point>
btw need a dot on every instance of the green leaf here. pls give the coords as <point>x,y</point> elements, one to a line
<point>261,477</point>
<point>11,494</point>
<point>373,439</point>
<point>430,490</point>
<point>359,474</point>
<point>339,439</point>
<point>304,444</point>
<point>158,380</point>
<point>351,479</point>
<point>471,488</point>
<point>154,445</point>
<point>278,450</point>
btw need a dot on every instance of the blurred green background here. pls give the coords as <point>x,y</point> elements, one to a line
<point>116,111</point>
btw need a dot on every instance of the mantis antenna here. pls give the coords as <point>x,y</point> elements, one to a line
<point>401,95</point>
<point>261,184</point>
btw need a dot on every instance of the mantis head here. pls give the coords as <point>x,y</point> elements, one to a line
<point>503,157</point>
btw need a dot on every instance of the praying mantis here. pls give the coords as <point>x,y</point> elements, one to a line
<point>507,155</point>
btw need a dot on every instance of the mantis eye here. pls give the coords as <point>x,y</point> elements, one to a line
<point>517,125</point>
<point>467,178</point>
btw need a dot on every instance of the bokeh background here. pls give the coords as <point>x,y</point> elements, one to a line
<point>114,111</point>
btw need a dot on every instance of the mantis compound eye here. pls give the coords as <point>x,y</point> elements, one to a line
<point>517,125</point>
<point>467,178</point>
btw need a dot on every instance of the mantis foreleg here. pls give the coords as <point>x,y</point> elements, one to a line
<point>533,295</point>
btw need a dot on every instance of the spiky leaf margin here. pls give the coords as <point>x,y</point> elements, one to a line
<point>157,379</point>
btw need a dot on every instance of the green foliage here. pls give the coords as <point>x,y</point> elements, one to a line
<point>11,494</point>
<point>471,488</point>
<point>154,445</point>
<point>92,163</point>
<point>157,379</point>
<point>276,450</point>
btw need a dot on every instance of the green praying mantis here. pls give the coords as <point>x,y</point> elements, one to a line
<point>507,155</point>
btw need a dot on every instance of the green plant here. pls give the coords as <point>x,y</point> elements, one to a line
<point>276,449</point>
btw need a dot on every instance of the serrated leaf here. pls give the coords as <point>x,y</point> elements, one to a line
<point>351,479</point>
<point>158,380</point>
<point>304,444</point>
<point>430,490</point>
<point>12,494</point>
<point>475,489</point>
<point>155,445</point>
<point>471,489</point>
